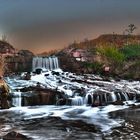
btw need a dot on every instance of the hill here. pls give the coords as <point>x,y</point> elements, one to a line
<point>116,39</point>
<point>116,55</point>
<point>13,60</point>
<point>5,47</point>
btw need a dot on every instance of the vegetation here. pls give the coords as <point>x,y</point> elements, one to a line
<point>131,29</point>
<point>131,51</point>
<point>119,53</point>
<point>95,67</point>
<point>112,53</point>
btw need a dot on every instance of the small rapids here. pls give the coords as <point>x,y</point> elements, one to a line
<point>71,119</point>
<point>70,106</point>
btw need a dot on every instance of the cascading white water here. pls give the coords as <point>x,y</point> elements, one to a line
<point>126,96</point>
<point>114,98</point>
<point>77,100</point>
<point>89,96</point>
<point>93,98</point>
<point>49,63</point>
<point>16,100</point>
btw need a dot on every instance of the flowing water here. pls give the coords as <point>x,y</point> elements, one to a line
<point>57,105</point>
<point>74,120</point>
<point>49,63</point>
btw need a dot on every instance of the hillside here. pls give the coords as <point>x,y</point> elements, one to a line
<point>13,60</point>
<point>5,47</point>
<point>118,40</point>
<point>111,54</point>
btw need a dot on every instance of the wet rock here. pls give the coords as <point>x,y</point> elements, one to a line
<point>15,136</point>
<point>60,81</point>
<point>55,73</point>
<point>38,71</point>
<point>118,103</point>
<point>47,98</point>
<point>61,102</point>
<point>57,122</point>
<point>46,75</point>
<point>25,89</point>
<point>137,97</point>
<point>96,104</point>
<point>39,98</point>
<point>27,76</point>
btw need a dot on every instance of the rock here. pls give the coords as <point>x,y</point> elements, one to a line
<point>118,103</point>
<point>15,136</point>
<point>27,76</point>
<point>55,73</point>
<point>16,61</point>
<point>38,71</point>
<point>61,102</point>
<point>46,75</point>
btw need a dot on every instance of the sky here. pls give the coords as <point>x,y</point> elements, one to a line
<point>44,25</point>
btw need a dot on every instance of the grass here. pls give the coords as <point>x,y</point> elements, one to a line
<point>112,53</point>
<point>95,66</point>
<point>131,51</point>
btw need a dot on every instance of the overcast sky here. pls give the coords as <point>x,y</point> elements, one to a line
<point>43,25</point>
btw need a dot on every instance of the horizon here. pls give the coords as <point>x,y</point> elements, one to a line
<point>41,26</point>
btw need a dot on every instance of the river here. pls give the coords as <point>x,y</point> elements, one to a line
<point>75,120</point>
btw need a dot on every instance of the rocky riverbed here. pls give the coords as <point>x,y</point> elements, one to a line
<point>60,105</point>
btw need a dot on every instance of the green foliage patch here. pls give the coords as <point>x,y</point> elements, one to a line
<point>95,66</point>
<point>112,53</point>
<point>131,51</point>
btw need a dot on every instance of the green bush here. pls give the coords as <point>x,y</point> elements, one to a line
<point>112,53</point>
<point>96,66</point>
<point>131,51</point>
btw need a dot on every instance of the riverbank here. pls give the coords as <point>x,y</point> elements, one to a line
<point>130,128</point>
<point>110,55</point>
<point>67,122</point>
<point>33,117</point>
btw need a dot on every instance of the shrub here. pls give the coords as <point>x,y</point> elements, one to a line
<point>112,53</point>
<point>95,66</point>
<point>131,51</point>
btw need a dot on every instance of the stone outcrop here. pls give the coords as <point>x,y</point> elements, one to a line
<point>20,62</point>
<point>15,61</point>
<point>13,135</point>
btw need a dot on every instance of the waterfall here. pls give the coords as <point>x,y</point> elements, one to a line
<point>88,98</point>
<point>122,96</point>
<point>77,100</point>
<point>104,97</point>
<point>114,98</point>
<point>126,96</point>
<point>16,100</point>
<point>49,63</point>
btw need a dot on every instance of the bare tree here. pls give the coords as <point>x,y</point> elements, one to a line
<point>4,38</point>
<point>131,28</point>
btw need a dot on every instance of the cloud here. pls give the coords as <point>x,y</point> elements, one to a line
<point>41,25</point>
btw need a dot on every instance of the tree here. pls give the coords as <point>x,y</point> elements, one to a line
<point>131,29</point>
<point>4,38</point>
